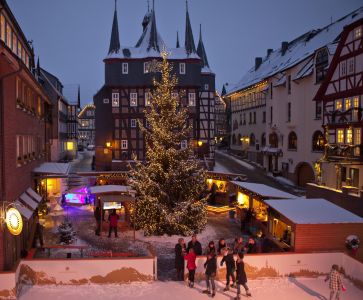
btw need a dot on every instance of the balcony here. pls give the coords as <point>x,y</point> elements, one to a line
<point>343,151</point>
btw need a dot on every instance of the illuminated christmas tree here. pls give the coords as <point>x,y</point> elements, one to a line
<point>170,183</point>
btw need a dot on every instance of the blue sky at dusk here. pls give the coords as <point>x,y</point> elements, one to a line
<point>72,36</point>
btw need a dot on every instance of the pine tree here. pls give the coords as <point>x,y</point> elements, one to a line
<point>170,182</point>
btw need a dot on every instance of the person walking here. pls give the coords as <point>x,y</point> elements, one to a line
<point>196,245</point>
<point>230,267</point>
<point>241,277</point>
<point>210,273</point>
<point>211,249</point>
<point>335,282</point>
<point>97,214</point>
<point>113,219</point>
<point>39,230</point>
<point>191,266</point>
<point>221,245</point>
<point>179,259</point>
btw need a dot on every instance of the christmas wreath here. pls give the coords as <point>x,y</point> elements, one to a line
<point>352,242</point>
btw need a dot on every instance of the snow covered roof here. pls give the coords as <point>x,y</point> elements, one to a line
<point>24,211</point>
<point>34,195</point>
<point>298,50</point>
<point>263,190</point>
<point>100,189</point>
<point>53,168</point>
<point>306,70</point>
<point>28,201</point>
<point>313,211</point>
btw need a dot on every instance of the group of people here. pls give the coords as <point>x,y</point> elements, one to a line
<point>235,269</point>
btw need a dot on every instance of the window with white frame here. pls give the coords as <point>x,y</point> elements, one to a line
<point>123,144</point>
<point>146,67</point>
<point>115,99</point>
<point>106,101</point>
<point>133,99</point>
<point>343,68</point>
<point>184,144</point>
<point>125,68</point>
<point>182,68</point>
<point>191,99</point>
<point>147,98</point>
<point>133,123</point>
<point>351,65</point>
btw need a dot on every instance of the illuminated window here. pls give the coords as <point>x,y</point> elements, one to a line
<point>181,68</point>
<point>338,105</point>
<point>15,40</point>
<point>358,32</point>
<point>19,49</point>
<point>357,141</point>
<point>191,99</point>
<point>347,104</point>
<point>2,25</point>
<point>340,136</point>
<point>349,136</point>
<point>39,106</point>
<point>318,141</point>
<point>124,144</point>
<point>8,35</point>
<point>133,99</point>
<point>115,99</point>
<point>147,98</point>
<point>69,146</point>
<point>356,101</point>
<point>125,68</point>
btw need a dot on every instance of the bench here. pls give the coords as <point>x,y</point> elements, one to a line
<point>79,247</point>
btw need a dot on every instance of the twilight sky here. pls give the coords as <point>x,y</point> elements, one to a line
<point>72,36</point>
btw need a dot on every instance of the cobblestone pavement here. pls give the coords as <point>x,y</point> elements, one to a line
<point>257,175</point>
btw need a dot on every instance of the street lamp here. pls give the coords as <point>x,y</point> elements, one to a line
<point>10,216</point>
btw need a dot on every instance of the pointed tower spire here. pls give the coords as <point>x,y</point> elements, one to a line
<point>153,41</point>
<point>38,67</point>
<point>224,91</point>
<point>177,40</point>
<point>189,39</point>
<point>79,96</point>
<point>201,50</point>
<point>115,39</point>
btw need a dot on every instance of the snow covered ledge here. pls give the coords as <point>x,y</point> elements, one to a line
<point>277,265</point>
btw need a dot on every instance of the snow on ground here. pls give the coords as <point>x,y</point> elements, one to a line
<point>273,289</point>
<point>219,168</point>
<point>238,161</point>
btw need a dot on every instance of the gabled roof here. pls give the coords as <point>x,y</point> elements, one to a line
<point>298,50</point>
<point>115,38</point>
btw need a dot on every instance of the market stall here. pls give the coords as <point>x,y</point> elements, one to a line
<point>305,225</point>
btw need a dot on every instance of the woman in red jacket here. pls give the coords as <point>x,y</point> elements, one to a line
<point>191,266</point>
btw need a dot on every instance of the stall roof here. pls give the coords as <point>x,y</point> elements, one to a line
<point>29,201</point>
<point>53,168</point>
<point>313,211</point>
<point>34,195</point>
<point>25,212</point>
<point>101,189</point>
<point>263,190</point>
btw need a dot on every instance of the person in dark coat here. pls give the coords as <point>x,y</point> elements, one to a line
<point>179,259</point>
<point>211,249</point>
<point>239,246</point>
<point>196,245</point>
<point>230,267</point>
<point>39,229</point>
<point>97,214</point>
<point>113,219</point>
<point>210,273</point>
<point>221,245</point>
<point>241,276</point>
<point>251,246</point>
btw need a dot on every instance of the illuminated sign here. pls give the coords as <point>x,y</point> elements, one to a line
<point>14,221</point>
<point>112,205</point>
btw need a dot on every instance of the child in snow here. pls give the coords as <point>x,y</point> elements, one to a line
<point>210,273</point>
<point>230,268</point>
<point>335,282</point>
<point>191,266</point>
<point>241,276</point>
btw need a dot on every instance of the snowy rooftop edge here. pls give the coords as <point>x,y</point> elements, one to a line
<point>264,190</point>
<point>313,211</point>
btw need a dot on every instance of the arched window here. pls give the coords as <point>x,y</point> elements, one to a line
<point>263,140</point>
<point>239,142</point>
<point>292,141</point>
<point>318,141</point>
<point>273,140</point>
<point>252,140</point>
<point>234,139</point>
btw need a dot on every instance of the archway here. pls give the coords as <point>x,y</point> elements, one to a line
<point>304,174</point>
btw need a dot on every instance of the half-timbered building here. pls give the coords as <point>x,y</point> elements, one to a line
<point>129,77</point>
<point>340,171</point>
<point>86,125</point>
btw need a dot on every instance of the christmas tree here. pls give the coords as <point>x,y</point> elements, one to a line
<point>170,182</point>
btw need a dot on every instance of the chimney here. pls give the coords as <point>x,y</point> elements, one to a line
<point>269,51</point>
<point>284,46</point>
<point>258,62</point>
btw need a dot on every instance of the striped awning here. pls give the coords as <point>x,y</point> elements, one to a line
<point>34,195</point>
<point>26,199</point>
<point>25,212</point>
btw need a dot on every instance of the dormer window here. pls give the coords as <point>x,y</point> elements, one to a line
<point>358,32</point>
<point>182,68</point>
<point>125,68</point>
<point>321,64</point>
